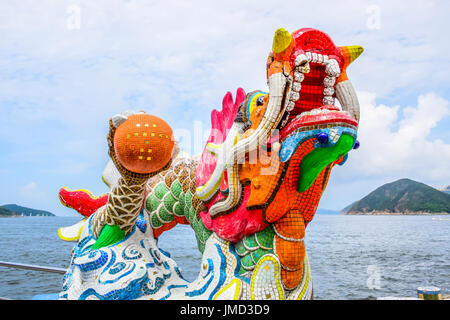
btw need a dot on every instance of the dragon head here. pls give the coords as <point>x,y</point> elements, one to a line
<point>317,77</point>
<point>306,73</point>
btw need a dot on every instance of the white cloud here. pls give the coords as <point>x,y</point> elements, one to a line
<point>398,143</point>
<point>31,192</point>
<point>159,53</point>
<point>395,143</point>
<point>59,86</point>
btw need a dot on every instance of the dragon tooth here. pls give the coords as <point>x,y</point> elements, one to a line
<point>309,56</point>
<point>299,77</point>
<point>319,58</point>
<point>294,96</point>
<point>332,68</point>
<point>327,100</point>
<point>300,59</point>
<point>290,106</point>
<point>329,81</point>
<point>328,91</point>
<point>296,87</point>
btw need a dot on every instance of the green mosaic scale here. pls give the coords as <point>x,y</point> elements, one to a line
<point>172,197</point>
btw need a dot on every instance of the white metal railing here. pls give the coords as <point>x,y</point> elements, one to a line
<point>32,267</point>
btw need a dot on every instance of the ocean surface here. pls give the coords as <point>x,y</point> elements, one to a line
<point>351,257</point>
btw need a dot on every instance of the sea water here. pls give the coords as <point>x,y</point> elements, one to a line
<point>351,257</point>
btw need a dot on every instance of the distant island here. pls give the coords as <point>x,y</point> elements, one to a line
<point>404,196</point>
<point>13,210</point>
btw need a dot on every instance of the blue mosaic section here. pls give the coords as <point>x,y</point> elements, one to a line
<point>292,142</point>
<point>141,223</point>
<point>209,272</point>
<point>135,268</point>
<point>238,265</point>
<point>222,271</point>
<point>131,269</point>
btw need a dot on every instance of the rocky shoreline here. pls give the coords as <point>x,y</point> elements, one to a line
<point>385,213</point>
<point>20,216</point>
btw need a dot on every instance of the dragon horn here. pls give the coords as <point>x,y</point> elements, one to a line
<point>345,92</point>
<point>282,44</point>
<point>350,53</point>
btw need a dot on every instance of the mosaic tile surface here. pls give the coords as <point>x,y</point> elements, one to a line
<point>249,197</point>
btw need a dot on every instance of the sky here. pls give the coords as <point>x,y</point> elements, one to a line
<point>66,67</point>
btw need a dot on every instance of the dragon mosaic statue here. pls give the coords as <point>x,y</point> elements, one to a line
<point>249,197</point>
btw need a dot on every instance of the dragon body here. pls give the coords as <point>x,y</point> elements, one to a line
<point>260,178</point>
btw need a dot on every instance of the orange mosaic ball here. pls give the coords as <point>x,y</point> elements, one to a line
<point>143,143</point>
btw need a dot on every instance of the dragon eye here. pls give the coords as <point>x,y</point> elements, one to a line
<point>260,101</point>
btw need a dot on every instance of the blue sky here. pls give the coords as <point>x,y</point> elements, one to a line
<point>67,66</point>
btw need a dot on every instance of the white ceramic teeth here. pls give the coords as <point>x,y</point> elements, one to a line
<point>329,81</point>
<point>333,71</point>
<point>327,100</point>
<point>332,68</point>
<point>302,66</point>
<point>301,59</point>
<point>290,106</point>
<point>319,58</point>
<point>298,76</point>
<point>328,91</point>
<point>316,58</point>
<point>296,87</point>
<point>294,96</point>
<point>284,122</point>
<point>303,69</point>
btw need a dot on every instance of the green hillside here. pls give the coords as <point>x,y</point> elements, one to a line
<point>402,196</point>
<point>19,210</point>
<point>6,213</point>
